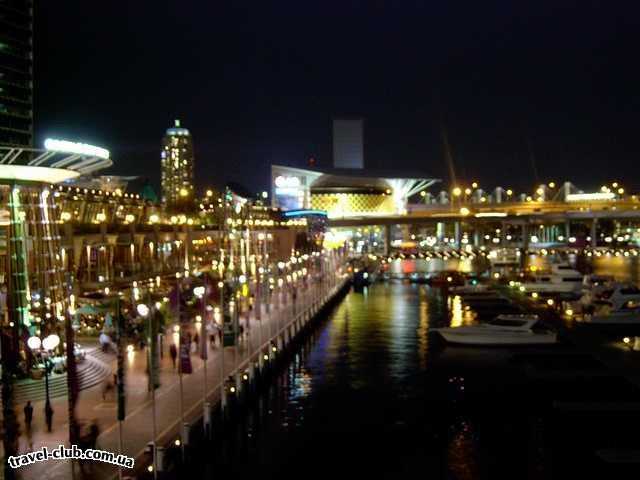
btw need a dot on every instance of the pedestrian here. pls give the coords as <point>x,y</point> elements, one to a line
<point>173,352</point>
<point>48,415</point>
<point>196,339</point>
<point>108,386</point>
<point>28,415</point>
<point>220,336</point>
<point>94,432</point>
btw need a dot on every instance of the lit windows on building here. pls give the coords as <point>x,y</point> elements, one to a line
<point>16,73</point>
<point>177,169</point>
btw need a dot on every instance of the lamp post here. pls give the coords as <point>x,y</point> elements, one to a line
<point>200,292</point>
<point>45,347</point>
<point>144,311</point>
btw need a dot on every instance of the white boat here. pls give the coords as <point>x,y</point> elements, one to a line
<point>620,317</point>
<point>504,330</point>
<point>595,280</point>
<point>562,278</point>
<point>605,314</point>
<point>504,257</point>
<point>614,295</point>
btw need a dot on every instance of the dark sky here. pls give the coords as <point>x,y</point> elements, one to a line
<point>258,82</point>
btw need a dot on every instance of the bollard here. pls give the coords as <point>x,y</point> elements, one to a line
<point>206,419</point>
<point>185,434</point>
<point>160,459</point>
<point>636,344</point>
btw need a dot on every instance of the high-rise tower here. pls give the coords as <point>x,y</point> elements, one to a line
<point>16,73</point>
<point>177,169</point>
<point>348,150</point>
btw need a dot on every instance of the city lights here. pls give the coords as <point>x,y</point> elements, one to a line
<point>75,147</point>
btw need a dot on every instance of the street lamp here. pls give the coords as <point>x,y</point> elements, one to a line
<point>45,347</point>
<point>200,292</point>
<point>143,310</point>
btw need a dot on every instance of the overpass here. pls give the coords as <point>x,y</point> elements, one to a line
<point>552,219</point>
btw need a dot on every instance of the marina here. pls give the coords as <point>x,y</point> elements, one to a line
<point>316,240</point>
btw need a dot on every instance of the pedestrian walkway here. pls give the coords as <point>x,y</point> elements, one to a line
<point>138,426</point>
<point>91,371</point>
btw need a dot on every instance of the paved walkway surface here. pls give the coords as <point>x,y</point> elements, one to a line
<point>138,426</point>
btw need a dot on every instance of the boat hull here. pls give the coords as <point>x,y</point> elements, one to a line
<point>613,319</point>
<point>497,340</point>
<point>552,287</point>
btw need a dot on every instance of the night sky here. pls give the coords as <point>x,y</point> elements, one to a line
<point>258,82</point>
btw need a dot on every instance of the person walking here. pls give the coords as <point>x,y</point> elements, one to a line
<point>48,415</point>
<point>173,352</point>
<point>28,415</point>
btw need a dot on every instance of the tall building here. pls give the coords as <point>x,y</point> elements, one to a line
<point>16,73</point>
<point>177,169</point>
<point>348,150</point>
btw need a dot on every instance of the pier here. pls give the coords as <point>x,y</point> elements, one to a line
<point>180,400</point>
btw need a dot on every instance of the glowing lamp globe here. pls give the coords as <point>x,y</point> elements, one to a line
<point>51,342</point>
<point>142,310</point>
<point>198,291</point>
<point>34,343</point>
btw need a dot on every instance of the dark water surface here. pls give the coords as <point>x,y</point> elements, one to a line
<point>374,394</point>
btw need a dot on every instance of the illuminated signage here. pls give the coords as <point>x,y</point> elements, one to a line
<point>287,182</point>
<point>74,147</point>
<point>585,197</point>
<point>289,192</point>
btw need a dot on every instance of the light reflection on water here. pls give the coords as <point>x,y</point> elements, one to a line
<point>418,265</point>
<point>370,395</point>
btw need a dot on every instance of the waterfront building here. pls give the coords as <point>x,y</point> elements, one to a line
<point>177,169</point>
<point>31,258</point>
<point>16,73</point>
<point>343,192</point>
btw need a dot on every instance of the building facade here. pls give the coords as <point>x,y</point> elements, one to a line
<point>177,169</point>
<point>16,73</point>
<point>342,193</point>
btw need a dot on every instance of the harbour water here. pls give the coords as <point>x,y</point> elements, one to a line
<point>374,393</point>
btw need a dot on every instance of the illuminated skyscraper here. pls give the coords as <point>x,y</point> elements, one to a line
<point>177,169</point>
<point>16,73</point>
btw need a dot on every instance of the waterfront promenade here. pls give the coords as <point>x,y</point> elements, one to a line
<point>277,326</point>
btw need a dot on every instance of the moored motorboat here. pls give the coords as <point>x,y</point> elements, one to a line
<point>562,278</point>
<point>610,296</point>
<point>504,330</point>
<point>626,315</point>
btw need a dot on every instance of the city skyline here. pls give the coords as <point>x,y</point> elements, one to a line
<point>554,84</point>
<point>235,233</point>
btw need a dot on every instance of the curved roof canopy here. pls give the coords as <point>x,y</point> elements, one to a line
<point>63,161</point>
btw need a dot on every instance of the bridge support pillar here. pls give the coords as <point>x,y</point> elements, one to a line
<point>477,235</point>
<point>456,233</point>
<point>594,233</point>
<point>503,234</point>
<point>406,233</point>
<point>387,240</point>
<point>525,237</point>
<point>440,229</point>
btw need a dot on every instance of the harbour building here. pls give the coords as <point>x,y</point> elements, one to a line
<point>177,169</point>
<point>16,73</point>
